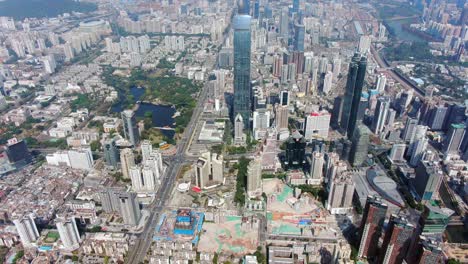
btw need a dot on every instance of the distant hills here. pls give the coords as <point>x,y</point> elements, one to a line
<point>20,9</point>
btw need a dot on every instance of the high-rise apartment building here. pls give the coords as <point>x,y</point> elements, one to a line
<point>397,240</point>
<point>353,91</point>
<point>146,149</point>
<point>430,252</point>
<point>129,208</point>
<point>127,160</point>
<point>254,177</point>
<point>242,90</point>
<point>340,195</point>
<point>281,117</point>
<point>68,232</point>
<point>130,127</point>
<point>316,162</point>
<point>110,200</point>
<point>371,227</point>
<point>27,229</point>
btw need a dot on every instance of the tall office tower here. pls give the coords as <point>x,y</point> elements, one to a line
<point>419,133</point>
<point>371,227</point>
<point>299,32</point>
<point>381,83</point>
<point>340,196</point>
<point>410,129</point>
<point>364,44</point>
<point>362,108</point>
<point>327,82</point>
<point>353,91</point>
<point>456,115</point>
<point>209,170</point>
<point>336,113</point>
<point>281,117</point>
<point>130,127</point>
<point>360,146</point>
<point>317,125</point>
<point>256,11</point>
<point>127,160</point>
<point>18,152</point>
<point>454,138</point>
<point>316,162</point>
<point>295,151</point>
<point>284,98</point>
<point>296,4</point>
<point>254,177</point>
<point>27,229</point>
<point>129,208</point>
<point>436,117</point>
<point>397,153</point>
<point>428,179</point>
<point>111,153</point>
<point>242,90</point>
<point>68,231</point>
<point>380,115</point>
<point>244,7</point>
<point>146,149</point>
<point>284,24</point>
<point>418,150</point>
<point>238,129</point>
<point>396,241</point>
<point>137,179</point>
<point>430,252</point>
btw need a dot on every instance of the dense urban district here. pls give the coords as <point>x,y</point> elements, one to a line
<point>224,131</point>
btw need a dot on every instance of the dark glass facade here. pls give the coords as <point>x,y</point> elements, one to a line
<point>242,90</point>
<point>352,97</point>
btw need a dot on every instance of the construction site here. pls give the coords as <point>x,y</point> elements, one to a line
<point>291,213</point>
<point>234,235</point>
<point>181,225</point>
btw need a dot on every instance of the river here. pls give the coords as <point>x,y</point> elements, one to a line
<point>162,114</point>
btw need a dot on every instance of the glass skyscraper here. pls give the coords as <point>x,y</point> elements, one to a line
<point>299,31</point>
<point>242,91</point>
<point>352,96</point>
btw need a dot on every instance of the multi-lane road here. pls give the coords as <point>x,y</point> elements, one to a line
<point>138,251</point>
